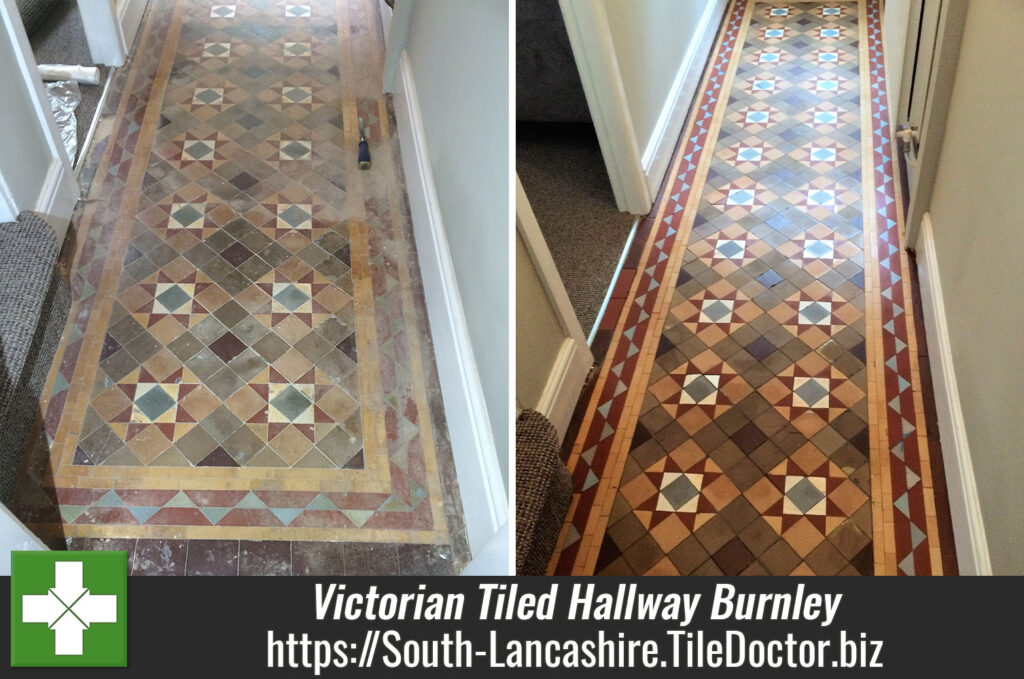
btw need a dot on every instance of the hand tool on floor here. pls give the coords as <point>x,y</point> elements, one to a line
<point>364,148</point>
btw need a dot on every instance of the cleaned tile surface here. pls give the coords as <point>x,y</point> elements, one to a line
<point>750,415</point>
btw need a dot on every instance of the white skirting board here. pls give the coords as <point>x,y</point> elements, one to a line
<point>562,390</point>
<point>15,537</point>
<point>58,197</point>
<point>658,152</point>
<point>484,498</point>
<point>968,528</point>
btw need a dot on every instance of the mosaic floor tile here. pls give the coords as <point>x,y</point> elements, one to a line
<point>247,363</point>
<point>735,426</point>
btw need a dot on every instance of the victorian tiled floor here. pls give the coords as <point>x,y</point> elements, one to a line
<point>245,384</point>
<point>759,409</point>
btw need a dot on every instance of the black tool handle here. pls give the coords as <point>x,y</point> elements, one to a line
<point>364,155</point>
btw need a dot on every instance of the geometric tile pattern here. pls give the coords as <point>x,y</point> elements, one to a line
<point>245,358</point>
<point>732,428</point>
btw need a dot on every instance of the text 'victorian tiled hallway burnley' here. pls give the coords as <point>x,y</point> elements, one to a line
<point>246,383</point>
<point>759,409</point>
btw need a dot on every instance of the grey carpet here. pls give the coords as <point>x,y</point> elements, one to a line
<point>34,12</point>
<point>60,39</point>
<point>543,492</point>
<point>34,307</point>
<point>565,179</point>
<point>548,86</point>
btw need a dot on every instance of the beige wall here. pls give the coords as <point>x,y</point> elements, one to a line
<point>977,212</point>
<point>895,23</point>
<point>651,39</point>
<point>459,56</point>
<point>539,335</point>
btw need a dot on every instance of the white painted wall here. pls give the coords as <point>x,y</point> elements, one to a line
<point>458,52</point>
<point>661,47</point>
<point>102,28</point>
<point>447,65</point>
<point>539,335</point>
<point>978,235</point>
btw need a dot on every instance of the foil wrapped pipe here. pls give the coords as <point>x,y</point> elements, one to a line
<point>64,99</point>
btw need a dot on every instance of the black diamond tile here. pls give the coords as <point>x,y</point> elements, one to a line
<point>236,254</point>
<point>227,346</point>
<point>244,181</point>
<point>348,346</point>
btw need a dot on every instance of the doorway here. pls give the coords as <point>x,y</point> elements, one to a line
<point>560,163</point>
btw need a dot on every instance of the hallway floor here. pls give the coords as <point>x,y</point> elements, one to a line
<point>759,410</point>
<point>246,384</point>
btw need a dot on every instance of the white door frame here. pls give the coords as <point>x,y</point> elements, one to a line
<point>662,145</point>
<point>587,25</point>
<point>932,126</point>
<point>103,31</point>
<point>111,27</point>
<point>58,190</point>
<point>129,16</point>
<point>574,360</point>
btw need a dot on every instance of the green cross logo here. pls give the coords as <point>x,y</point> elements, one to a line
<point>69,609</point>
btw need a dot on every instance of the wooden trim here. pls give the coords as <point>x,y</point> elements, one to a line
<point>396,37</point>
<point>564,385</point>
<point>57,198</point>
<point>535,244</point>
<point>15,536</point>
<point>58,209</point>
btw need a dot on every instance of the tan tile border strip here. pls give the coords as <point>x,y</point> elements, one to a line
<point>884,540</point>
<point>350,123</point>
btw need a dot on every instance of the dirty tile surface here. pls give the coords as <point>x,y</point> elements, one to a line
<point>248,364</point>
